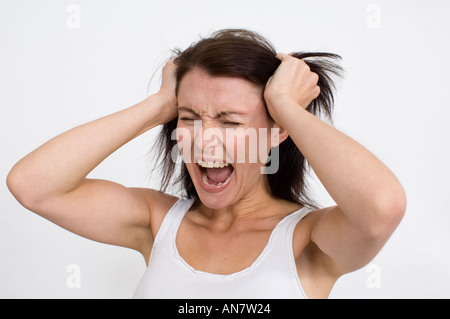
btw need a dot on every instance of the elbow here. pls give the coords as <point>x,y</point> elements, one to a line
<point>20,187</point>
<point>395,208</point>
<point>387,213</point>
<point>12,182</point>
<point>15,184</point>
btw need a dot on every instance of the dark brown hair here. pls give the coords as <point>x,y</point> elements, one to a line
<point>246,54</point>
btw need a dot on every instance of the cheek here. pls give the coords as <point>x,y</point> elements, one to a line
<point>250,146</point>
<point>266,147</point>
<point>184,138</point>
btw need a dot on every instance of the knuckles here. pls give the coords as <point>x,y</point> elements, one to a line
<point>298,80</point>
<point>314,77</point>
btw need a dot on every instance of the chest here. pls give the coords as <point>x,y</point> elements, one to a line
<point>220,253</point>
<point>234,250</point>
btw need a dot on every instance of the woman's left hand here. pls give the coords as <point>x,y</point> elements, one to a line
<point>293,80</point>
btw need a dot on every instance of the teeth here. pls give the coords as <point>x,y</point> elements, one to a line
<point>212,164</point>
<point>205,180</point>
<point>208,165</point>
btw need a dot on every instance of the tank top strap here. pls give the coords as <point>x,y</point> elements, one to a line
<point>173,219</point>
<point>279,251</point>
<point>288,223</point>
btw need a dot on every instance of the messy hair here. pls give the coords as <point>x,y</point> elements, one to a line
<point>245,54</point>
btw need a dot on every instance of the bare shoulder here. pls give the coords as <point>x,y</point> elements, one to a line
<point>159,203</point>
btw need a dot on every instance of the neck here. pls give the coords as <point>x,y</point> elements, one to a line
<point>252,205</point>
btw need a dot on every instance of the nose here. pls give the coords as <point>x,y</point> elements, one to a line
<point>207,137</point>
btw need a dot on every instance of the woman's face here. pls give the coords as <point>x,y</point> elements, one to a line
<point>224,134</point>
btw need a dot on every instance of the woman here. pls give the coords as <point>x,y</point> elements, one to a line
<point>242,231</point>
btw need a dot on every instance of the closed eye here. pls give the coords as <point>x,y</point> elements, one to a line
<point>186,119</point>
<point>227,123</point>
<point>232,123</point>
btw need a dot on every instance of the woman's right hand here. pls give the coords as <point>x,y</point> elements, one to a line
<point>166,96</point>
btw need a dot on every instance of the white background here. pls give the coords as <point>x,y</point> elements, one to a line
<point>57,72</point>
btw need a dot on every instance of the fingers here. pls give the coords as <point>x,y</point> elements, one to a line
<point>281,56</point>
<point>297,76</point>
<point>170,63</point>
<point>298,64</point>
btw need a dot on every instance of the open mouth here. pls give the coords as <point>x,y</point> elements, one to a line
<point>214,176</point>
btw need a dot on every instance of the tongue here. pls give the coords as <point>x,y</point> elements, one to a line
<point>218,175</point>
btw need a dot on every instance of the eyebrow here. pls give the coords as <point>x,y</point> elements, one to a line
<point>218,115</point>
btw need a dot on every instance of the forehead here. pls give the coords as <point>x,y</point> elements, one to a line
<point>203,92</point>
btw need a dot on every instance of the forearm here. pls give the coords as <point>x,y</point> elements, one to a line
<point>61,164</point>
<point>353,176</point>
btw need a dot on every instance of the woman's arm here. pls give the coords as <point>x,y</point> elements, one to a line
<point>51,180</point>
<point>370,200</point>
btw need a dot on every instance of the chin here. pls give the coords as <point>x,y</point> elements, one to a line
<point>213,202</point>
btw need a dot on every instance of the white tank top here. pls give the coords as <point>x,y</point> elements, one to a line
<point>272,275</point>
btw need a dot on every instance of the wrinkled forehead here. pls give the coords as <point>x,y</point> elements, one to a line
<point>211,94</point>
